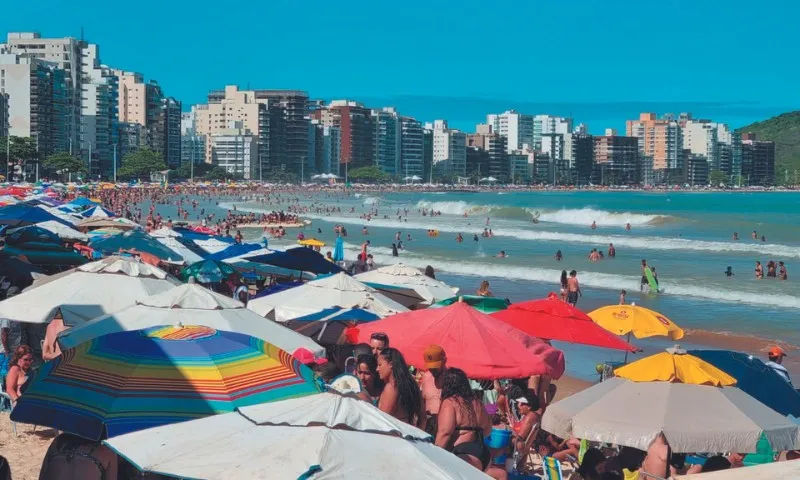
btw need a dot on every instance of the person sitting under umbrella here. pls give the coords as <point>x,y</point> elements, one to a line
<point>19,366</point>
<point>367,373</point>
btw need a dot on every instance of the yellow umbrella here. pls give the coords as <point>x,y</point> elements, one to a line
<point>642,322</point>
<point>312,242</point>
<point>676,366</point>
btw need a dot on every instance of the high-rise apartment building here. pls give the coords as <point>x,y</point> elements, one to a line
<point>449,150</point>
<point>33,97</point>
<point>3,114</point>
<point>616,159</point>
<point>388,134</point>
<point>193,145</point>
<point>516,127</point>
<point>171,119</point>
<point>412,148</point>
<point>357,132</point>
<point>758,161</point>
<point>579,157</point>
<point>520,166</point>
<point>705,138</point>
<point>548,124</point>
<point>235,149</point>
<point>660,140</point>
<point>477,160</point>
<point>99,112</point>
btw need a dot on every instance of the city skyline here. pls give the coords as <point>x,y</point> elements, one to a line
<point>713,70</point>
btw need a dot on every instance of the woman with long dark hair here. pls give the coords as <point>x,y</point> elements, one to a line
<point>367,373</point>
<point>463,420</point>
<point>401,397</point>
<point>564,285</point>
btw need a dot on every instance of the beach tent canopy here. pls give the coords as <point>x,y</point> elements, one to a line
<point>235,250</point>
<point>299,258</point>
<point>402,275</point>
<point>338,290</point>
<point>482,346</point>
<point>86,292</point>
<point>22,214</point>
<point>128,381</point>
<point>323,436</point>
<point>190,305</point>
<point>136,240</point>
<point>693,418</point>
<point>552,319</point>
<point>755,378</point>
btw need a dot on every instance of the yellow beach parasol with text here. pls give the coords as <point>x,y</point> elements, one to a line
<point>312,242</point>
<point>633,319</point>
<point>676,366</point>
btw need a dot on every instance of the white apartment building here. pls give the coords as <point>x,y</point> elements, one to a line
<point>235,149</point>
<point>546,124</point>
<point>449,149</point>
<point>99,112</point>
<point>702,137</point>
<point>236,106</point>
<point>516,127</point>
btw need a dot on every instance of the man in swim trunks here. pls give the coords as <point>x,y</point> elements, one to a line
<point>644,281</point>
<point>431,384</point>
<point>573,288</point>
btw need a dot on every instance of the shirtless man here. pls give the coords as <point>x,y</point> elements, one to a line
<point>431,384</point>
<point>657,460</point>
<point>573,288</point>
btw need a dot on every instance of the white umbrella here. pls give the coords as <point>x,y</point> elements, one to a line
<point>190,305</point>
<point>693,418</point>
<point>72,219</point>
<point>212,245</point>
<point>87,292</point>
<point>321,436</point>
<point>189,257</point>
<point>404,276</point>
<point>64,232</point>
<point>165,232</point>
<point>338,290</point>
<point>768,471</point>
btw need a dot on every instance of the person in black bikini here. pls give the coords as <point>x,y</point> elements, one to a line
<point>463,421</point>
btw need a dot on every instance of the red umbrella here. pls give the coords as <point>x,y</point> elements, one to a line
<point>553,319</point>
<point>482,346</point>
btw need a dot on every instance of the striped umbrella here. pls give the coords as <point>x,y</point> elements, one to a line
<point>129,381</point>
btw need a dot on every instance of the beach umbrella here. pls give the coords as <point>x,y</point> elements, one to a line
<point>770,471</point>
<point>63,231</point>
<point>20,273</point>
<point>430,289</point>
<point>755,378</point>
<point>675,365</point>
<point>405,296</point>
<point>89,291</point>
<point>323,436</point>
<point>98,212</point>
<point>693,418</point>
<point>190,305</point>
<point>552,319</point>
<point>189,256</point>
<point>165,232</point>
<point>212,244</point>
<point>299,258</point>
<point>136,241</point>
<point>82,202</point>
<point>338,250</point>
<point>482,346</point>
<point>129,381</point>
<point>209,271</point>
<point>338,290</point>
<point>311,242</point>
<point>633,319</point>
<point>21,214</point>
<point>236,250</point>
<point>95,223</point>
<point>479,303</point>
<point>328,326</point>
<point>31,234</point>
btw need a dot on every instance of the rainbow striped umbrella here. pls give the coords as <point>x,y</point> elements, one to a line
<point>128,381</point>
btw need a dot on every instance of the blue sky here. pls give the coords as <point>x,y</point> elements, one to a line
<point>600,61</point>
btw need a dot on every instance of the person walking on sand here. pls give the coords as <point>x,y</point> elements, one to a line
<point>573,288</point>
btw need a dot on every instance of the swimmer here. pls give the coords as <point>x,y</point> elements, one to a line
<point>459,238</point>
<point>763,238</point>
<point>487,220</point>
<point>594,225</point>
<point>612,252</point>
<point>475,238</point>
<point>502,254</point>
<point>754,235</point>
<point>735,235</point>
<point>628,226</point>
<point>558,256</point>
<point>622,294</point>
<point>782,271</point>
<point>729,272</point>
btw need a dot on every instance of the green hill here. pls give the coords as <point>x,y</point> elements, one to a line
<point>784,130</point>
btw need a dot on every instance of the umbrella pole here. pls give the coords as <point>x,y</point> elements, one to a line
<point>626,352</point>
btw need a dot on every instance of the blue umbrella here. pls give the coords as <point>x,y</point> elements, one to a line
<point>135,240</point>
<point>21,214</point>
<point>234,251</point>
<point>327,326</point>
<point>99,211</point>
<point>301,258</point>
<point>755,378</point>
<point>338,250</point>
<point>82,202</point>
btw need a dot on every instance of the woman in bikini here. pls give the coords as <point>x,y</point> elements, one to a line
<point>400,397</point>
<point>463,421</point>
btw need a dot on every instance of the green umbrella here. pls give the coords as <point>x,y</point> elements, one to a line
<point>209,271</point>
<point>482,304</point>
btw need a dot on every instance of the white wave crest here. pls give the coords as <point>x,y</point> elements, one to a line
<point>501,269</point>
<point>564,216</point>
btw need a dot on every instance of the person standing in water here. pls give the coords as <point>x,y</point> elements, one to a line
<point>782,271</point>
<point>759,271</point>
<point>644,281</point>
<point>564,285</point>
<point>612,252</point>
<point>622,294</point>
<point>558,256</point>
<point>573,288</point>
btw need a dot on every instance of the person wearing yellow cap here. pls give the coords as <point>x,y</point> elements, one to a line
<point>776,355</point>
<point>435,361</point>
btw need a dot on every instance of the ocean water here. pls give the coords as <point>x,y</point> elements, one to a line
<point>686,236</point>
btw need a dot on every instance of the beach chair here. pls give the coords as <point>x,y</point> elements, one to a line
<point>551,469</point>
<point>527,453</point>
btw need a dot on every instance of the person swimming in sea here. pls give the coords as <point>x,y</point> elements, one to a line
<point>594,225</point>
<point>736,235</point>
<point>475,238</point>
<point>628,226</point>
<point>729,272</point>
<point>502,254</point>
<point>558,256</point>
<point>459,238</point>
